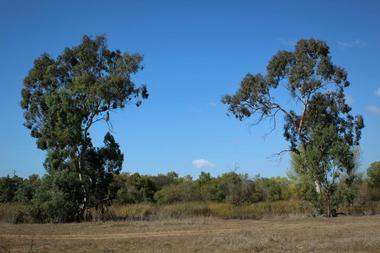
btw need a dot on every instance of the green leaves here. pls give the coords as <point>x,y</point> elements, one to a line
<point>317,124</point>
<point>312,81</point>
<point>62,98</point>
<point>81,86</point>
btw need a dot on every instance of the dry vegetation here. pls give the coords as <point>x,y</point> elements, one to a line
<point>297,234</point>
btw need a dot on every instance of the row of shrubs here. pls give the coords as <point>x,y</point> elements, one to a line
<point>18,213</point>
<point>229,187</point>
<point>35,199</point>
<point>168,188</point>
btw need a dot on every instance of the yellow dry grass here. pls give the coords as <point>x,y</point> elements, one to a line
<point>201,234</point>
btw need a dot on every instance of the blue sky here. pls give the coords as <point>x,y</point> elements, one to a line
<point>194,52</point>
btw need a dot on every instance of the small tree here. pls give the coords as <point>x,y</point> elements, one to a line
<point>373,173</point>
<point>8,188</point>
<point>27,189</point>
<point>64,97</point>
<point>329,162</point>
<point>316,87</point>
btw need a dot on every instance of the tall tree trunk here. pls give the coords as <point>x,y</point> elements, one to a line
<point>83,206</point>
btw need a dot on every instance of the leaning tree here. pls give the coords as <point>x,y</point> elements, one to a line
<point>318,122</point>
<point>63,97</point>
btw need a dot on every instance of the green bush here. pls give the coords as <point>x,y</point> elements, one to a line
<point>134,188</point>
<point>27,189</point>
<point>373,173</point>
<point>56,199</point>
<point>181,192</point>
<point>8,188</point>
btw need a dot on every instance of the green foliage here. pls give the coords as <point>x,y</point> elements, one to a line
<point>57,198</point>
<point>180,192</point>
<point>162,180</point>
<point>327,170</point>
<point>62,98</point>
<point>8,188</point>
<point>229,195</point>
<point>27,189</point>
<point>312,80</point>
<point>135,188</point>
<point>274,189</point>
<point>373,173</point>
<point>229,187</point>
<point>320,124</point>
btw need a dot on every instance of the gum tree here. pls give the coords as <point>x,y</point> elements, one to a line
<point>316,88</point>
<point>63,97</point>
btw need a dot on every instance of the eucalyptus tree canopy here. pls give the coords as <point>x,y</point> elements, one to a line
<point>315,85</point>
<point>64,96</point>
<point>318,123</point>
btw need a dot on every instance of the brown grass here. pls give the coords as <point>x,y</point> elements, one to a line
<point>13,212</point>
<point>147,211</point>
<point>201,234</point>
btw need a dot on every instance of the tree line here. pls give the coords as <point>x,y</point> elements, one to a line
<point>64,96</point>
<point>46,203</point>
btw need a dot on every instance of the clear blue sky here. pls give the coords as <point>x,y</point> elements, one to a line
<point>194,52</point>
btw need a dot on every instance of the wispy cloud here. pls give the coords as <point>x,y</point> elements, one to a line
<point>202,163</point>
<point>290,43</point>
<point>352,44</point>
<point>374,109</point>
<point>377,92</point>
<point>212,104</point>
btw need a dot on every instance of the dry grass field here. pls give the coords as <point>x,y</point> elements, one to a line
<point>342,234</point>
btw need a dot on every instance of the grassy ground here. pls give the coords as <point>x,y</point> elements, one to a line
<point>292,234</point>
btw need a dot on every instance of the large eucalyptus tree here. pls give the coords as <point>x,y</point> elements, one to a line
<point>64,96</point>
<point>318,122</point>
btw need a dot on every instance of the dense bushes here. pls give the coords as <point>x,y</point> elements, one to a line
<point>16,189</point>
<point>374,180</point>
<point>229,187</point>
<point>135,188</point>
<point>52,201</point>
<point>8,188</point>
<point>46,199</point>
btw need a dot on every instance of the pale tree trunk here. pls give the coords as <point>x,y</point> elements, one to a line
<point>317,187</point>
<point>83,205</point>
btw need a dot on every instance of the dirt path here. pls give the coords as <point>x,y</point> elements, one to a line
<point>114,236</point>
